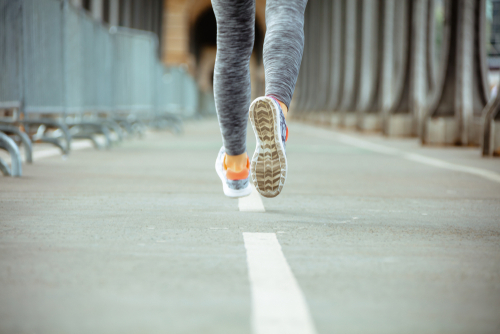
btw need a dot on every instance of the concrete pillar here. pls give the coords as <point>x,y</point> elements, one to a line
<point>313,68</point>
<point>351,54</point>
<point>336,60</point>
<point>324,39</point>
<point>396,120</point>
<point>419,71</point>
<point>387,60</point>
<point>114,12</point>
<point>368,89</point>
<point>491,128</point>
<point>455,114</point>
<point>77,3</point>
<point>137,14</point>
<point>126,20</point>
<point>96,9</point>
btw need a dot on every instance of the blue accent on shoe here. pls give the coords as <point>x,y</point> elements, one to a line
<point>282,122</point>
<point>238,184</point>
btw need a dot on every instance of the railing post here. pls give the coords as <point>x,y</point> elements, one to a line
<point>323,62</point>
<point>351,68</point>
<point>114,12</point>
<point>336,61</point>
<point>96,9</point>
<point>455,111</point>
<point>388,56</point>
<point>418,70</point>
<point>368,116</point>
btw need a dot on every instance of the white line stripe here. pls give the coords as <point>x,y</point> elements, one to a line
<point>446,165</point>
<point>278,305</point>
<point>345,139</point>
<point>252,203</point>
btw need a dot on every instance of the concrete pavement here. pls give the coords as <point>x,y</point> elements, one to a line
<point>140,238</point>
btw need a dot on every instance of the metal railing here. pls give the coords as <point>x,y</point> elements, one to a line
<point>403,67</point>
<point>64,76</point>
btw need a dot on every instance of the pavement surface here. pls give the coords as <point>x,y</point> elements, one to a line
<point>140,239</point>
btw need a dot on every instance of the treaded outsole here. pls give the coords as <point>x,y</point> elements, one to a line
<point>268,166</point>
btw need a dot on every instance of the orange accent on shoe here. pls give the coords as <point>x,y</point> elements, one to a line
<point>241,175</point>
<point>286,138</point>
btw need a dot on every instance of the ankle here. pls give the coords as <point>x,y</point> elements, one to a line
<point>282,105</point>
<point>284,108</point>
<point>236,163</point>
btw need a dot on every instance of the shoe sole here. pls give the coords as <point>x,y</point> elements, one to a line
<point>269,166</point>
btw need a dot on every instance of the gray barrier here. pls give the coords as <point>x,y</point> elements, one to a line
<point>59,61</point>
<point>11,56</point>
<point>63,70</point>
<point>43,70</point>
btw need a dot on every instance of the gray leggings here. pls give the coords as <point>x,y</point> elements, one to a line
<point>282,54</point>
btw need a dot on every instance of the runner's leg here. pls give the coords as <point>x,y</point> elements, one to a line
<point>283,47</point>
<point>235,38</point>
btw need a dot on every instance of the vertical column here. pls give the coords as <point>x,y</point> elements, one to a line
<point>336,60</point>
<point>77,3</point>
<point>114,12</point>
<point>367,102</point>
<point>137,10</point>
<point>348,104</point>
<point>324,40</point>
<point>455,115</point>
<point>409,86</point>
<point>491,128</point>
<point>419,72</point>
<point>126,13</point>
<point>387,56</point>
<point>313,59</point>
<point>96,9</point>
<point>465,62</point>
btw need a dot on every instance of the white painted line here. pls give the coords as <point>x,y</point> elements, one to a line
<point>251,203</point>
<point>278,305</point>
<point>346,139</point>
<point>446,165</point>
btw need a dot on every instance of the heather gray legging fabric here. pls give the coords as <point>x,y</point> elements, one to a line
<point>283,46</point>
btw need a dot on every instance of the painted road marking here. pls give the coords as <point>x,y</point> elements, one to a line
<point>446,165</point>
<point>278,305</point>
<point>251,203</point>
<point>346,139</point>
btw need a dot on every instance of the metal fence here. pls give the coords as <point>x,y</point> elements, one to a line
<point>63,70</point>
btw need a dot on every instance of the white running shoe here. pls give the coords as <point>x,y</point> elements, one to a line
<point>234,184</point>
<point>269,166</point>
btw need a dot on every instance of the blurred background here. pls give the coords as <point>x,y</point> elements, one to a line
<point>389,217</point>
<point>415,68</point>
